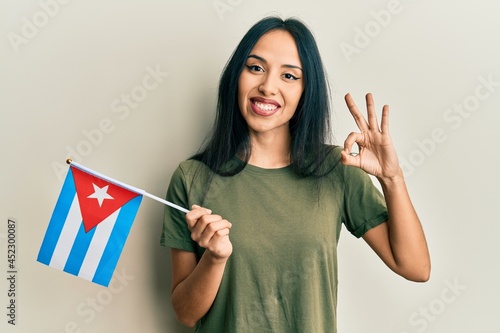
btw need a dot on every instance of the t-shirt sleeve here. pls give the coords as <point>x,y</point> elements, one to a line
<point>175,232</point>
<point>364,204</point>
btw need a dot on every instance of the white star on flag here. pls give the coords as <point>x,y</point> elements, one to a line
<point>100,194</point>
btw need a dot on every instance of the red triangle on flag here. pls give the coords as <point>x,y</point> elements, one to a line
<point>98,198</point>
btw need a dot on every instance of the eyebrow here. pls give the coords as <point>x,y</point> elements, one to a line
<point>265,61</point>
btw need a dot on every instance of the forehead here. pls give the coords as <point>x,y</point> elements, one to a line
<point>277,46</point>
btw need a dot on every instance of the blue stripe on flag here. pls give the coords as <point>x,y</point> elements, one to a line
<point>57,220</point>
<point>117,239</point>
<point>79,250</point>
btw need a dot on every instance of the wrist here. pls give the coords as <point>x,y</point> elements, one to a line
<point>394,180</point>
<point>214,259</point>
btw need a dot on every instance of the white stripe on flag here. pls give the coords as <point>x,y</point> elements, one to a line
<point>68,236</point>
<point>97,246</point>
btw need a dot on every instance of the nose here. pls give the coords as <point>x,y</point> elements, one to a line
<point>269,85</point>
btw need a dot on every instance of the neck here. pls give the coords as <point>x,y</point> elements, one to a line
<point>270,150</point>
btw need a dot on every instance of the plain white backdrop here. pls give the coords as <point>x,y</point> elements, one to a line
<point>128,88</point>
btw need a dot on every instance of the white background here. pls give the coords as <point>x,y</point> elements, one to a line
<point>64,69</point>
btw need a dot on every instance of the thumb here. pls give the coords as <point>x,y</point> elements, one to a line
<point>347,159</point>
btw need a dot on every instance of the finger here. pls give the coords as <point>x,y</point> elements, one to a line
<point>351,139</point>
<point>195,213</point>
<point>216,244</point>
<point>358,117</point>
<point>210,231</point>
<point>372,114</point>
<point>348,159</point>
<point>201,224</point>
<point>385,119</point>
<point>193,207</point>
<point>219,234</point>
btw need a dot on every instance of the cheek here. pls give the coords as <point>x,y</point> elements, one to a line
<point>243,90</point>
<point>241,98</point>
<point>294,96</point>
<point>244,82</point>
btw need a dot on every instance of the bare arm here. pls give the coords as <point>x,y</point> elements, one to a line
<point>400,242</point>
<point>195,284</point>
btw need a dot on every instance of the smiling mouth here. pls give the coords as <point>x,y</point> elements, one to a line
<point>264,109</point>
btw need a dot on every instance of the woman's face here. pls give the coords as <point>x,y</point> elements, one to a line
<point>271,84</point>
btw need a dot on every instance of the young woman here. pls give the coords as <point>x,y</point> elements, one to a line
<point>262,255</point>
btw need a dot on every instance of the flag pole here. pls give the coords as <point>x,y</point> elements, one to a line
<point>134,189</point>
<point>165,202</point>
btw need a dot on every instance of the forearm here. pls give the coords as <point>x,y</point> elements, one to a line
<point>193,297</point>
<point>406,236</point>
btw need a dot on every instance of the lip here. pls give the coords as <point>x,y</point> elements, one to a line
<point>259,111</point>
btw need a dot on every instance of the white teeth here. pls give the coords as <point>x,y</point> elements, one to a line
<point>265,107</point>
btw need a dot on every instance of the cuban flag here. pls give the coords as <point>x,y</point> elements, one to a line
<point>89,225</point>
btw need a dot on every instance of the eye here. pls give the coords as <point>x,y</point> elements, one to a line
<point>254,68</point>
<point>289,76</point>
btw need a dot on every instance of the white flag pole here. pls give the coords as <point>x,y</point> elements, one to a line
<point>165,202</point>
<point>131,188</point>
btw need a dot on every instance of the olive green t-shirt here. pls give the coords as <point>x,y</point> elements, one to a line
<point>282,274</point>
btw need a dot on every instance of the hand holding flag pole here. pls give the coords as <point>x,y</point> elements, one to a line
<point>90,224</point>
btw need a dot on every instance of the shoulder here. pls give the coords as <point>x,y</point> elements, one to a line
<point>331,163</point>
<point>348,174</point>
<point>187,179</point>
<point>190,166</point>
<point>187,170</point>
<point>333,153</point>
